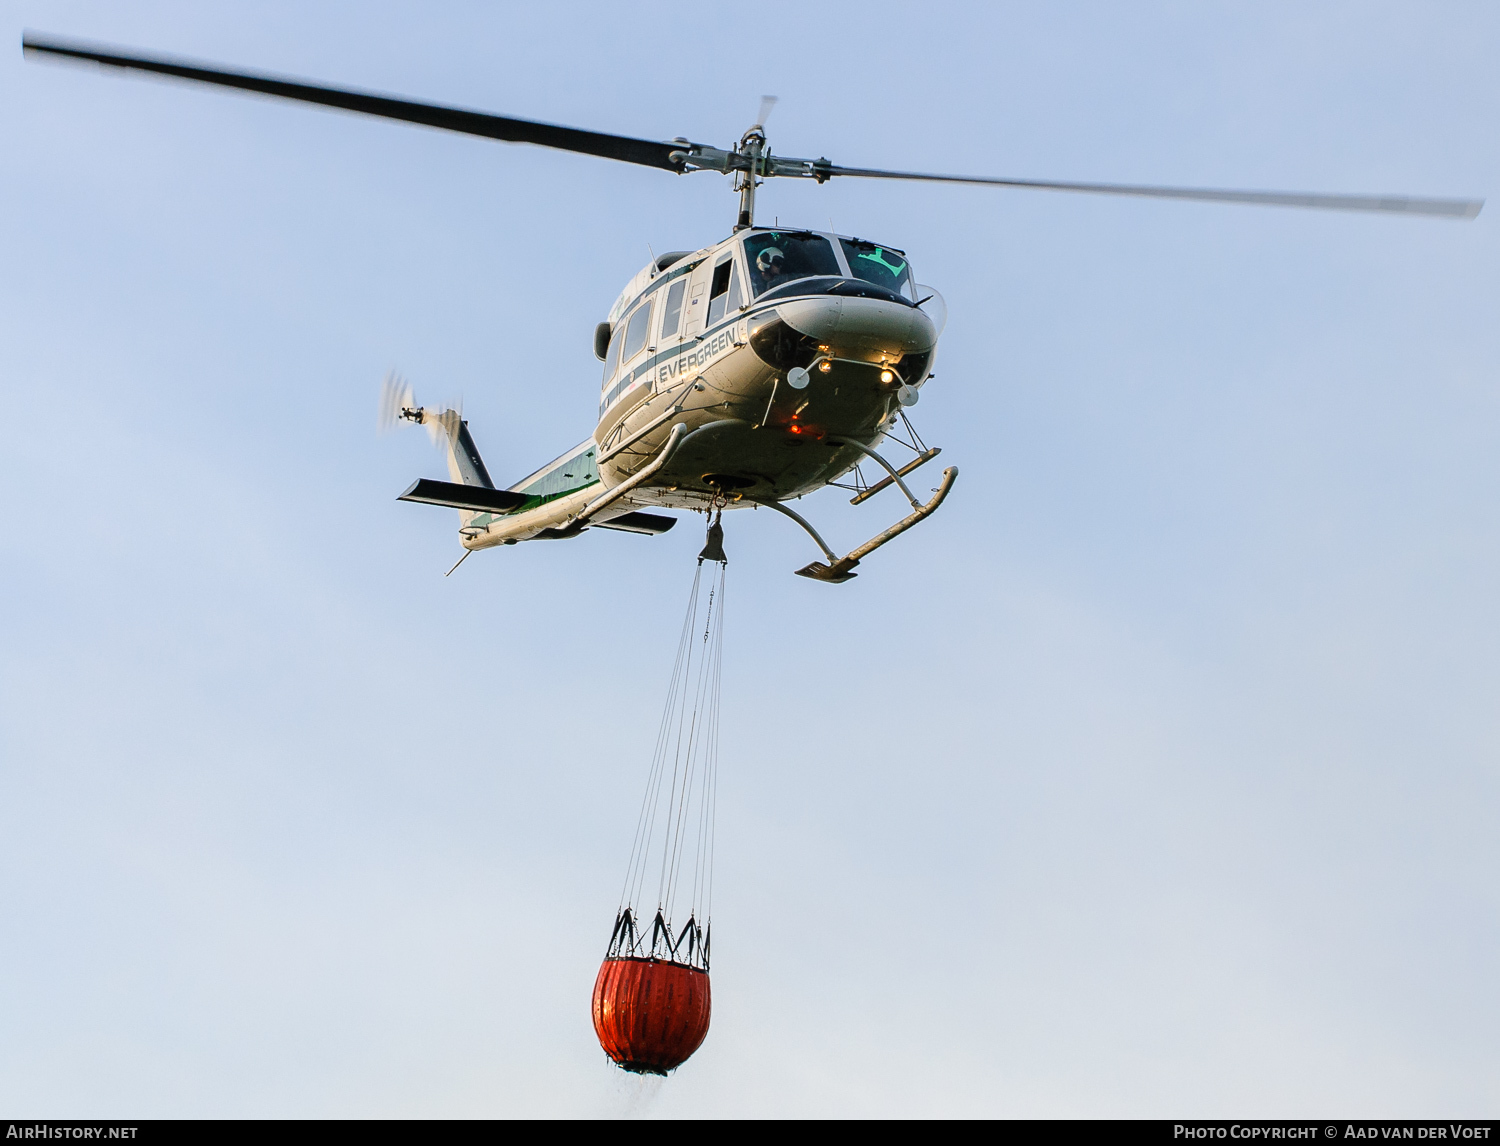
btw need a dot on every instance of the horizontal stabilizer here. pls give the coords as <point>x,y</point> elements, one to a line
<point>638,523</point>
<point>456,496</point>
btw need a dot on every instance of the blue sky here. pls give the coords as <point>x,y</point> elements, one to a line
<point>1155,776</point>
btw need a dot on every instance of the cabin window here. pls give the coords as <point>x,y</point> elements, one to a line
<point>635,332</point>
<point>672,318</point>
<point>778,257</point>
<point>718,293</point>
<point>879,265</point>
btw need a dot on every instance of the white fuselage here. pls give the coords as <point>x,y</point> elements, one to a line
<point>708,340</point>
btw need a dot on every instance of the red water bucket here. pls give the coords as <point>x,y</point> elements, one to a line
<point>650,1015</point>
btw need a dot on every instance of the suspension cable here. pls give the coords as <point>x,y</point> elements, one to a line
<point>676,826</point>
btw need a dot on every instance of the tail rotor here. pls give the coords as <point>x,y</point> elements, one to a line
<point>398,403</point>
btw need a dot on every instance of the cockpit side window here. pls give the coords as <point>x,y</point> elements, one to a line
<point>612,356</point>
<point>635,331</point>
<point>736,296</point>
<point>718,292</point>
<point>882,266</point>
<point>777,257</point>
<point>672,316</point>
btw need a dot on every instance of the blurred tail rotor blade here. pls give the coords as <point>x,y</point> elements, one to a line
<point>395,396</point>
<point>767,103</point>
<point>443,426</point>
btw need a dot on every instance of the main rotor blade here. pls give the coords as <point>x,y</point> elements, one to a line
<point>1397,204</point>
<point>642,151</point>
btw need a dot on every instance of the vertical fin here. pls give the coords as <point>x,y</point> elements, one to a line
<point>466,459</point>
<point>445,426</point>
<point>464,463</point>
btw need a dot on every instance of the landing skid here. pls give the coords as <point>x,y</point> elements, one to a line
<point>840,569</point>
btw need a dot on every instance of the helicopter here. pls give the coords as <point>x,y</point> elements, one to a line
<point>751,372</point>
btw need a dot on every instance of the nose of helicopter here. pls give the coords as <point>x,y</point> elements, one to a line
<point>868,324</point>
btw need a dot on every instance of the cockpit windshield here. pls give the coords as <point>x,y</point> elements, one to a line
<point>777,257</point>
<point>879,265</point>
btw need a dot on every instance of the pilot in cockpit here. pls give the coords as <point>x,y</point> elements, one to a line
<point>770,265</point>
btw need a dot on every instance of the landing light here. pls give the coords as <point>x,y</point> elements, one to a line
<point>886,376</point>
<point>825,367</point>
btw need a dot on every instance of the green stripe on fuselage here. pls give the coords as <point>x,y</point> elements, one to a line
<point>567,475</point>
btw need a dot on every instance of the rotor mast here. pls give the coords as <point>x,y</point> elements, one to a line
<point>747,174</point>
